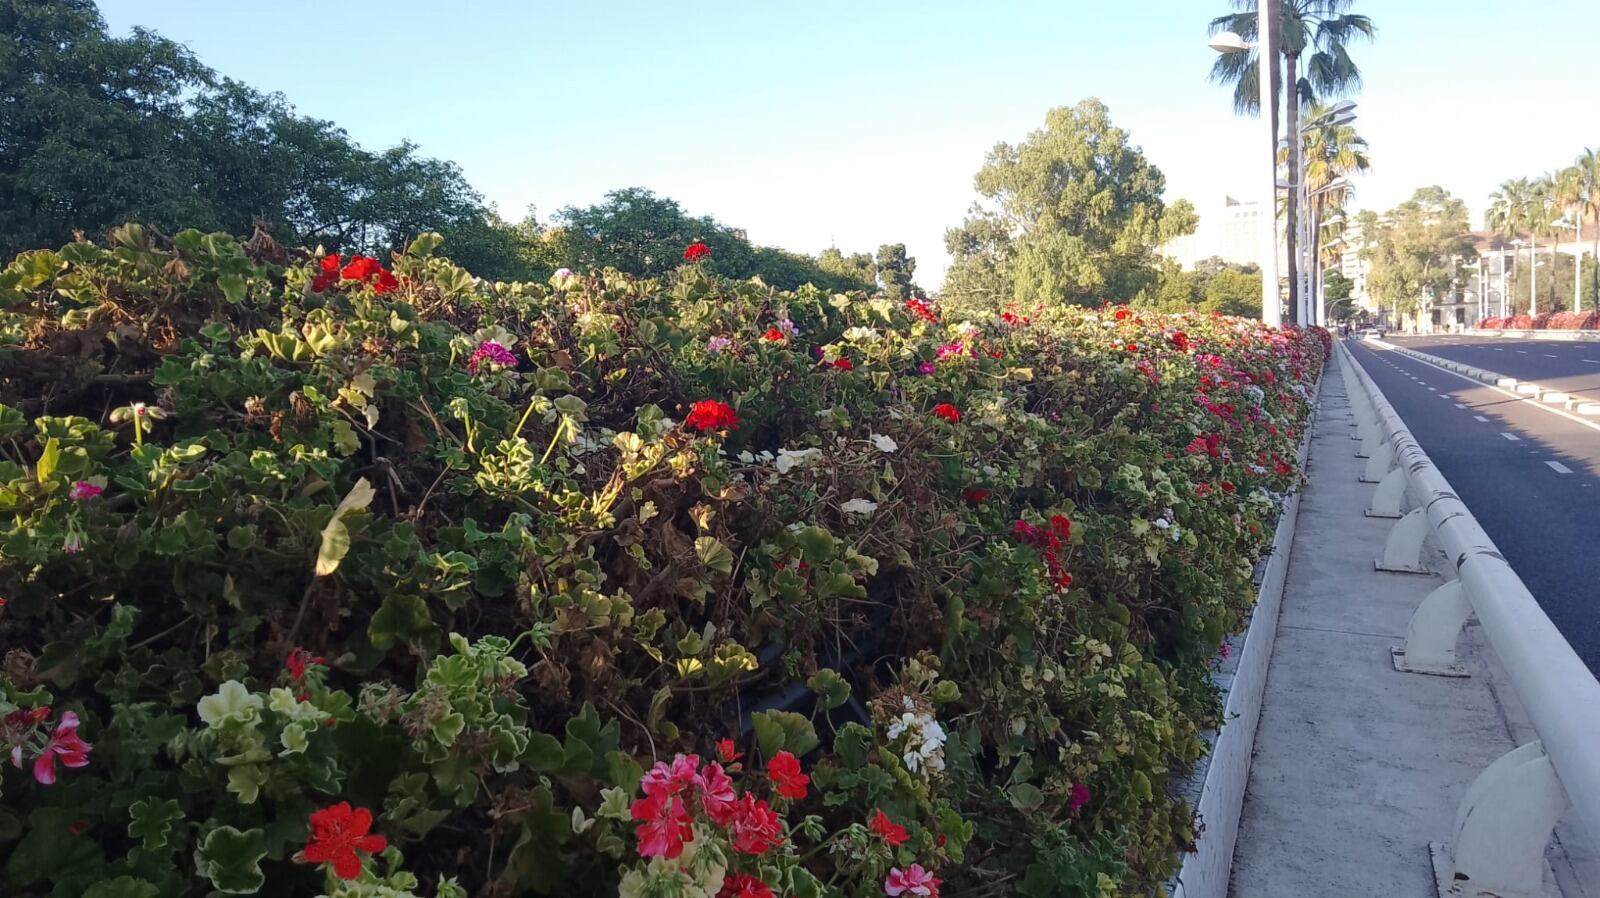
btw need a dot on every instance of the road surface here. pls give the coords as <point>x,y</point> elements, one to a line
<point>1572,367</point>
<point>1529,475</point>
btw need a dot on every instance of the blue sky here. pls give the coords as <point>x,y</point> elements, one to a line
<point>857,123</point>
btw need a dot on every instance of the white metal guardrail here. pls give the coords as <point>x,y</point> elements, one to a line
<point>1507,816</point>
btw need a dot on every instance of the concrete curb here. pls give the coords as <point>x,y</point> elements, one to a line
<point>1220,782</point>
<point>1569,335</point>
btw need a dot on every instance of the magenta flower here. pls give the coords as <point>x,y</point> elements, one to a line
<point>83,491</point>
<point>64,744</point>
<point>912,881</point>
<point>490,351</point>
<point>951,349</point>
<point>718,344</point>
<point>1080,796</point>
<point>926,369</point>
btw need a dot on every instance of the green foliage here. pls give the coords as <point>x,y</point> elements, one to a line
<point>1418,248</point>
<point>279,548</point>
<point>1071,215</point>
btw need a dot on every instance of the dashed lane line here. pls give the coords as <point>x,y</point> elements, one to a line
<point>1511,436</point>
<point>1481,418</point>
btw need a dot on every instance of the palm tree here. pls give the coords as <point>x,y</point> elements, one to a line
<point>1586,176</point>
<point>1543,212</point>
<point>1509,215</point>
<point>1331,153</point>
<point>1324,28</point>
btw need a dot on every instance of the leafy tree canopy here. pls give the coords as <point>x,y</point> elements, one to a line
<point>1417,248</point>
<point>1071,215</point>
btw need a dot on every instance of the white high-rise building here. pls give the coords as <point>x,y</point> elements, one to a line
<point>1231,233</point>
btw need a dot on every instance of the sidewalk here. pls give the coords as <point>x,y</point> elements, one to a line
<point>1358,767</point>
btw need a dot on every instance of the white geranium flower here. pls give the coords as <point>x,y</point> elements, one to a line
<point>884,444</point>
<point>859,506</point>
<point>231,702</point>
<point>789,459</point>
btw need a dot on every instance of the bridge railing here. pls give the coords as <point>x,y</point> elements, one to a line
<point>1508,815</point>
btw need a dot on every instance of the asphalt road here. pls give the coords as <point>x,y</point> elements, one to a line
<point>1529,475</point>
<point>1573,367</point>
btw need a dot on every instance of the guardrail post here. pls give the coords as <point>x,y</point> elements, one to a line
<point>1502,827</point>
<point>1431,636</point>
<point>1402,551</point>
<point>1380,459</point>
<point>1389,496</point>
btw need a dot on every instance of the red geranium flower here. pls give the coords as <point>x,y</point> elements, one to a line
<point>756,830</point>
<point>329,276</point>
<point>892,832</point>
<point>844,365</point>
<point>337,833</point>
<point>709,414</point>
<point>784,769</point>
<point>727,752</point>
<point>1180,341</point>
<point>773,335</point>
<point>297,662</point>
<point>1121,314</point>
<point>743,885</point>
<point>384,282</point>
<point>975,494</point>
<point>64,744</point>
<point>696,252</point>
<point>360,268</point>
<point>948,412</point>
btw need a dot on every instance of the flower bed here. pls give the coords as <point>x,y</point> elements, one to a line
<point>378,580</point>
<point>1545,321</point>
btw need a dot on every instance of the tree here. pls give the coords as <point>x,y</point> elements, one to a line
<point>1586,179</point>
<point>1322,28</point>
<point>87,125</point>
<point>1416,250</point>
<point>857,268</point>
<point>894,271</point>
<point>1071,215</point>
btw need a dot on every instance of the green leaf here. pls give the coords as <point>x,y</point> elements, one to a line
<point>852,744</point>
<point>232,288</point>
<point>48,460</point>
<point>832,689</point>
<point>123,887</point>
<point>783,731</point>
<point>402,617</point>
<point>232,860</point>
<point>216,332</point>
<point>544,752</point>
<point>816,544</point>
<point>50,850</point>
<point>11,421</point>
<point>713,554</point>
<point>424,245</point>
<point>335,536</point>
<point>1025,797</point>
<point>151,820</point>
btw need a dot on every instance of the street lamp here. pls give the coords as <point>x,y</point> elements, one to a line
<point>1230,42</point>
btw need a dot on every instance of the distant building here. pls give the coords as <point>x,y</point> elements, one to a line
<point>1231,233</point>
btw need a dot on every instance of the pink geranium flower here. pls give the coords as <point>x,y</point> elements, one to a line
<point>64,744</point>
<point>912,881</point>
<point>83,491</point>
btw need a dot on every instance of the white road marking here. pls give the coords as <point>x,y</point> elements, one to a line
<point>1549,356</point>
<point>1593,361</point>
<point>1459,405</point>
<point>1498,349</point>
<point>1558,467</point>
<point>1512,437</point>
<point>1481,418</point>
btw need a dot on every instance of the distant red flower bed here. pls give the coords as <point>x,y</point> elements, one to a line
<point>1555,321</point>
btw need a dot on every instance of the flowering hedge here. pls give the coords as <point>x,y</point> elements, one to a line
<point>375,579</point>
<point>1544,321</point>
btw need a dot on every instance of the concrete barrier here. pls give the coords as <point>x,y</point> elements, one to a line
<point>1506,819</point>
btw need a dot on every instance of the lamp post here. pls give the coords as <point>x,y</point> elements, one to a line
<point>1230,42</point>
<point>1312,290</point>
